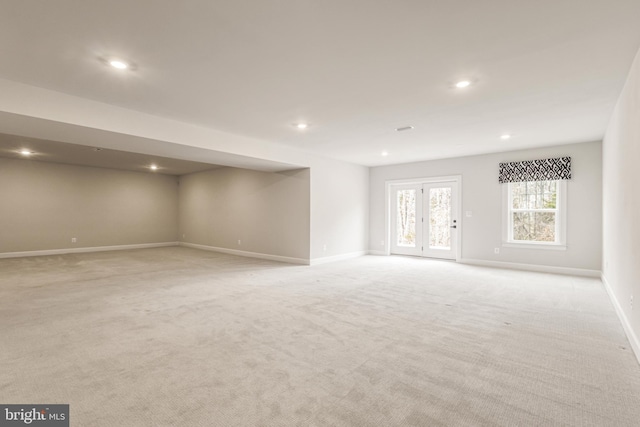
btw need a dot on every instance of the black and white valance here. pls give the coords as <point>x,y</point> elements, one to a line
<point>535,170</point>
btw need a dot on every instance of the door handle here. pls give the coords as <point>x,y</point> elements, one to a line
<point>454,226</point>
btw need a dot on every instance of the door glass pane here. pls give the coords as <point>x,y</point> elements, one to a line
<point>439,218</point>
<point>406,226</point>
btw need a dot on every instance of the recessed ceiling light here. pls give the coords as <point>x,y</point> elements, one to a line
<point>463,83</point>
<point>119,64</point>
<point>153,167</point>
<point>301,125</point>
<point>505,136</point>
<point>404,128</point>
<point>384,153</point>
<point>26,152</point>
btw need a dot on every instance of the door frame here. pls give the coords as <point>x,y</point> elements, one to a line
<point>419,181</point>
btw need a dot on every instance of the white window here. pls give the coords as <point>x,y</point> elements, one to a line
<point>535,214</point>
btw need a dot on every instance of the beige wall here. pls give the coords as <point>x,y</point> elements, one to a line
<point>482,195</point>
<point>314,213</point>
<point>621,207</point>
<point>43,205</point>
<point>268,212</point>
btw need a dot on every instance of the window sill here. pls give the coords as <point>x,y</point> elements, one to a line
<point>532,245</point>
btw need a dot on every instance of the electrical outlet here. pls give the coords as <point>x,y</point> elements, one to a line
<point>631,302</point>
<point>324,248</point>
<point>74,240</point>
<point>184,236</point>
<point>239,242</point>
<point>381,242</point>
<point>468,214</point>
<point>496,250</point>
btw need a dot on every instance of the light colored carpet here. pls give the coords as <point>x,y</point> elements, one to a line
<point>176,336</point>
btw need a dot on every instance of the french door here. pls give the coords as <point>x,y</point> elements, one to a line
<point>424,219</point>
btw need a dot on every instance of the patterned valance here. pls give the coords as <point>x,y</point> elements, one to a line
<point>535,170</point>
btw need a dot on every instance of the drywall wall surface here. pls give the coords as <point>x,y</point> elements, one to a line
<point>621,207</point>
<point>339,208</point>
<point>482,195</point>
<point>247,210</point>
<point>44,205</point>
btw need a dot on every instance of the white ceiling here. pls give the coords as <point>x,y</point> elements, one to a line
<point>547,71</point>
<point>11,147</point>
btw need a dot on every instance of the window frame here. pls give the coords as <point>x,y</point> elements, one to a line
<point>561,219</point>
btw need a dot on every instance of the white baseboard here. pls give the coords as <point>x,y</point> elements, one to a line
<point>247,254</point>
<point>533,267</point>
<point>85,250</point>
<point>631,335</point>
<point>334,258</point>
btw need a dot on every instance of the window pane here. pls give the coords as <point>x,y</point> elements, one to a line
<point>534,195</point>
<point>439,218</point>
<point>550,195</point>
<point>534,226</point>
<point>531,195</point>
<point>517,192</point>
<point>406,225</point>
